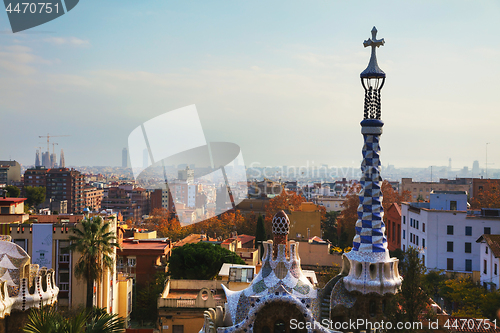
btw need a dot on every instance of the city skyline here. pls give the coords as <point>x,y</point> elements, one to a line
<point>282,82</point>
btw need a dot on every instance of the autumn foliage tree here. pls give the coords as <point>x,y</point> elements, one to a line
<point>286,200</point>
<point>390,196</point>
<point>346,221</point>
<point>164,224</point>
<point>487,198</point>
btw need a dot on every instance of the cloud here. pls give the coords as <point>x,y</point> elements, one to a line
<point>19,59</point>
<point>72,41</point>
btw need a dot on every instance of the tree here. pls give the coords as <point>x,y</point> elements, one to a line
<point>96,244</point>
<point>390,196</point>
<point>329,226</point>
<point>260,234</point>
<point>164,223</point>
<point>146,305</point>
<point>408,304</point>
<point>346,221</point>
<point>200,261</point>
<point>487,198</point>
<point>12,191</point>
<point>49,320</point>
<point>287,201</point>
<point>34,195</point>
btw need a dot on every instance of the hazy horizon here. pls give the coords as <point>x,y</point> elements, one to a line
<point>281,80</point>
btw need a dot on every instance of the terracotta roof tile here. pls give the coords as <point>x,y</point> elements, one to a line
<point>493,242</point>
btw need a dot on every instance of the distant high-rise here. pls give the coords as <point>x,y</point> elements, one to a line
<point>475,168</point>
<point>62,163</point>
<point>125,163</point>
<point>37,158</point>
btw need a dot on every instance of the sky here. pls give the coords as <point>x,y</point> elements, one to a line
<point>278,78</point>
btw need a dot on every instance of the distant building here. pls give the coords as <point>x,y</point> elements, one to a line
<point>62,162</point>
<point>132,203</point>
<point>445,234</point>
<point>264,188</point>
<point>305,222</point>
<point>10,171</point>
<point>37,159</point>
<point>253,206</point>
<point>479,185</point>
<point>92,197</point>
<point>36,177</point>
<point>393,227</point>
<point>11,211</point>
<point>141,258</point>
<point>66,184</point>
<point>57,229</point>
<point>182,304</point>
<point>186,175</point>
<point>331,203</point>
<point>125,158</point>
<point>424,189</point>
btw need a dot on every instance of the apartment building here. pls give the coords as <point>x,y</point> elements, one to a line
<point>446,232</point>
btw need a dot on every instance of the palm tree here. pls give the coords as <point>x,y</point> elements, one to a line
<point>96,243</point>
<point>49,320</point>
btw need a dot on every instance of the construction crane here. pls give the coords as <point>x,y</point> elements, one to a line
<point>53,145</point>
<point>48,136</point>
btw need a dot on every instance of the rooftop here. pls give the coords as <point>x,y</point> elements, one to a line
<point>493,242</point>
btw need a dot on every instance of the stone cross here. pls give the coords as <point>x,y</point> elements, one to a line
<point>374,42</point>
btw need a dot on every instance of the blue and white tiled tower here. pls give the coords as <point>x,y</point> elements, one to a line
<point>369,265</point>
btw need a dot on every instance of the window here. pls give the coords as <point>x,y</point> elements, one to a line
<point>423,227</point>
<point>449,246</point>
<point>468,247</point>
<point>486,251</point>
<point>468,231</point>
<point>495,271</point>
<point>417,224</point>
<point>417,241</point>
<point>411,222</point>
<point>453,205</point>
<point>131,262</point>
<point>5,210</point>
<point>22,243</point>
<point>404,247</point>
<point>178,328</point>
<point>393,229</point>
<point>423,259</point>
<point>449,264</point>
<point>487,230</point>
<point>404,219</point>
<point>423,242</point>
<point>449,230</point>
<point>485,270</point>
<point>468,265</point>
<point>404,235</point>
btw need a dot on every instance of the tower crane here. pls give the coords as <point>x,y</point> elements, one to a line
<point>48,136</point>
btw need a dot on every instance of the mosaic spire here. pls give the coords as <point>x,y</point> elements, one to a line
<point>371,268</point>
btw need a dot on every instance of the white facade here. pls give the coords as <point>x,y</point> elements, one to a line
<point>489,265</point>
<point>447,239</point>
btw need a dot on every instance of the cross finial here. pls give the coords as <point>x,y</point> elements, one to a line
<point>373,70</point>
<point>374,42</point>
